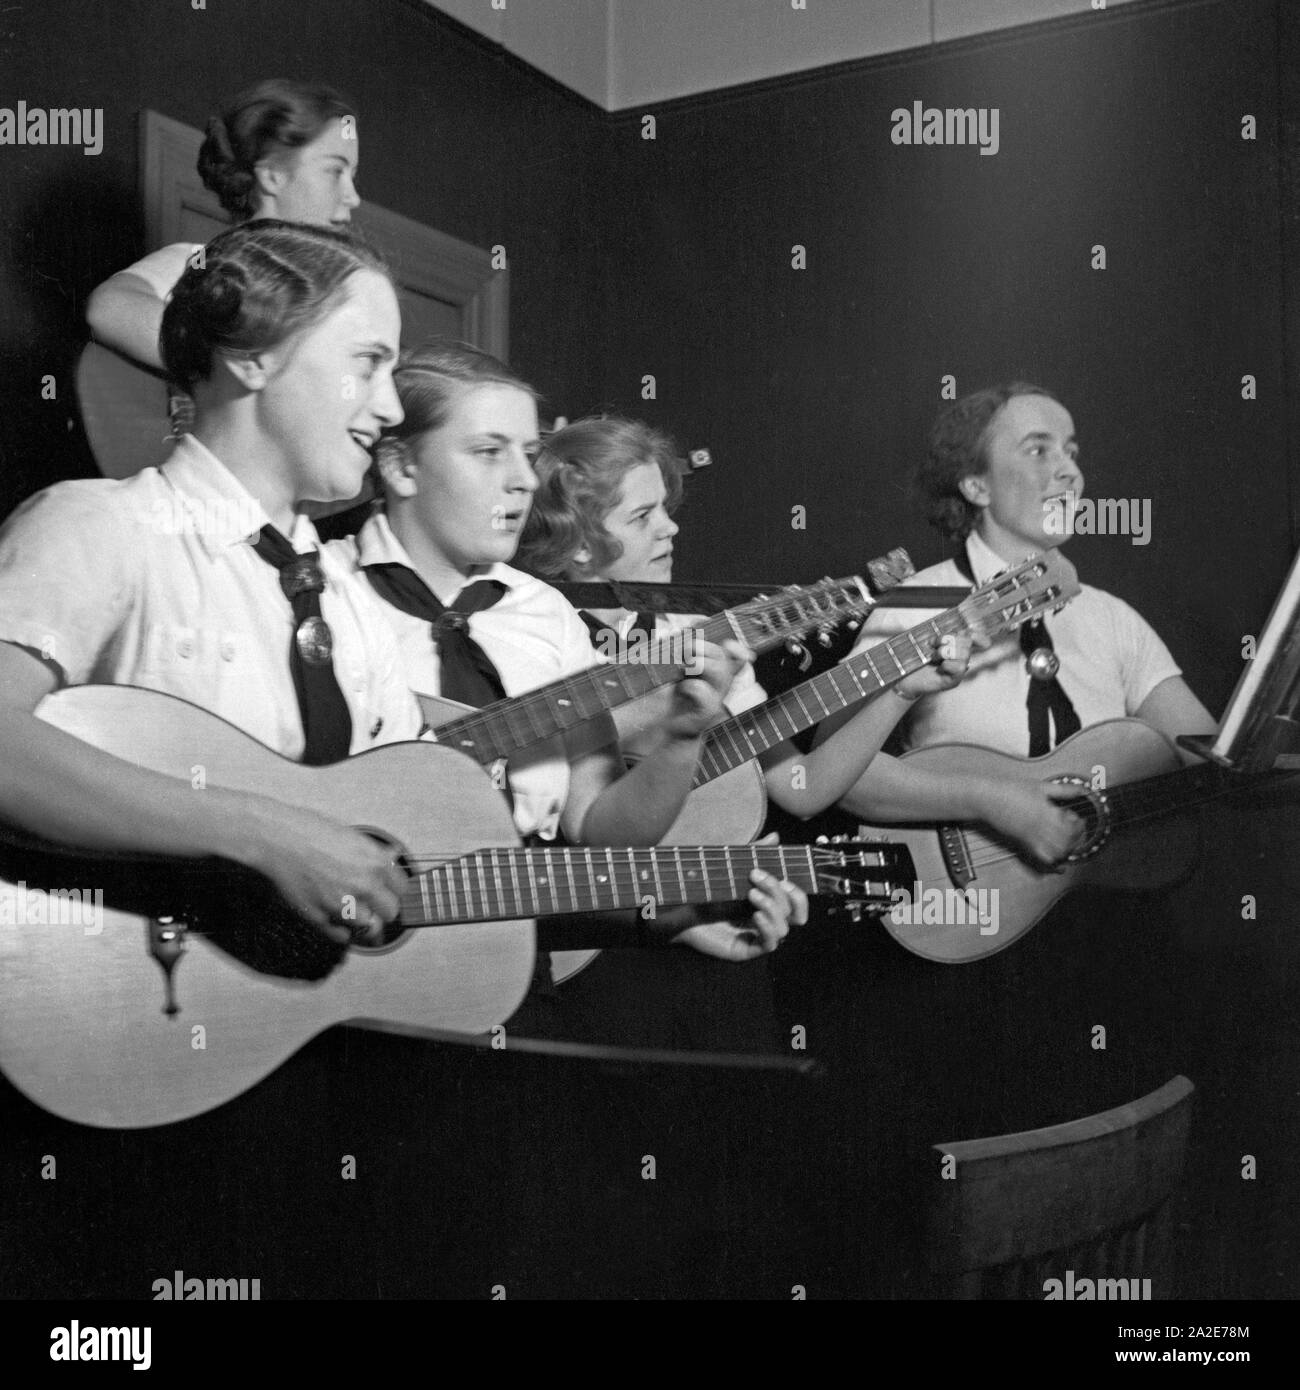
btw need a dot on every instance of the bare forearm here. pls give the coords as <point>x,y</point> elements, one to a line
<point>1173,709</point>
<point>60,788</point>
<point>639,807</point>
<point>806,784</point>
<point>125,313</point>
<point>894,790</point>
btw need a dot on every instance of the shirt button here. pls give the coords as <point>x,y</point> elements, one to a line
<point>227,650</point>
<point>185,647</point>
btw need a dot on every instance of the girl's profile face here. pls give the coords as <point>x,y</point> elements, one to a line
<point>474,475</point>
<point>315,183</point>
<point>329,391</point>
<point>640,523</point>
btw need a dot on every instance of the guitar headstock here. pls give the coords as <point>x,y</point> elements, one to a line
<point>802,608</point>
<point>865,873</point>
<point>1040,583</point>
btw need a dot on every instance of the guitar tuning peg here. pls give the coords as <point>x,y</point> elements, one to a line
<point>853,624</point>
<point>824,635</point>
<point>821,840</point>
<point>800,652</point>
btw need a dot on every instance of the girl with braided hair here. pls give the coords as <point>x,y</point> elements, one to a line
<point>281,149</point>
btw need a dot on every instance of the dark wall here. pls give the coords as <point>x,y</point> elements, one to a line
<point>453,133</point>
<point>817,387</point>
<point>672,257</point>
<point>814,388</point>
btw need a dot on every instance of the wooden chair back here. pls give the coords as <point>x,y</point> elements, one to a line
<point>1086,1200</point>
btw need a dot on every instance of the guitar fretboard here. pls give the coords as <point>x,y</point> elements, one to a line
<point>744,736</point>
<point>1001,603</point>
<point>500,729</point>
<point>1160,795</point>
<point>504,884</point>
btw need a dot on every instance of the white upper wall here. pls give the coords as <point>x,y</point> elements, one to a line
<point>672,48</point>
<point>566,39</point>
<point>629,53</point>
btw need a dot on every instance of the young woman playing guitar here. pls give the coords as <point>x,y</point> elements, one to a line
<point>198,580</point>
<point>1002,477</point>
<point>169,579</point>
<point>285,150</point>
<point>604,510</point>
<point>1083,1012</point>
<point>458,482</point>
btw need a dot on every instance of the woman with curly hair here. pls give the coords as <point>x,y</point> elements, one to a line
<point>603,510</point>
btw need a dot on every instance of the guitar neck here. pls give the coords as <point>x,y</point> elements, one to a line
<point>1162,795</point>
<point>503,884</point>
<point>501,729</point>
<point>744,736</point>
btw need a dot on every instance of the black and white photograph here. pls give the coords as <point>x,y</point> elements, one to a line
<point>650,651</point>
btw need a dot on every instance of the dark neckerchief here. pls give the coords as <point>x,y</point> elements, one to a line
<point>326,722</point>
<point>468,674</point>
<point>1046,695</point>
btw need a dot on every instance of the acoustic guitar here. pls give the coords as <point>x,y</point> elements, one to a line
<point>188,981</point>
<point>497,731</point>
<point>1134,796</point>
<point>126,410</point>
<point>729,800</point>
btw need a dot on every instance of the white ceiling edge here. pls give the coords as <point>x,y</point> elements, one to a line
<point>568,40</point>
<point>622,54</point>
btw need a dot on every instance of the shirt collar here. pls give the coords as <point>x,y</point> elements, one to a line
<point>985,562</point>
<point>377,545</point>
<point>224,513</point>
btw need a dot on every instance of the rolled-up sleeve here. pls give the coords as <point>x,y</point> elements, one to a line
<point>65,578</point>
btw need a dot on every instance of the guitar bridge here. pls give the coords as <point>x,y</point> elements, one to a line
<point>956,855</point>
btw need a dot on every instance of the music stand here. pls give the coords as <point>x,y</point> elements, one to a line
<point>1260,730</point>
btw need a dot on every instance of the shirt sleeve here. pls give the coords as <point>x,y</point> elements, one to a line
<point>161,269</point>
<point>66,576</point>
<point>745,691</point>
<point>1145,661</point>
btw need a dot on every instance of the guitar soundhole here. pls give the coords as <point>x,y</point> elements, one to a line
<point>1092,809</point>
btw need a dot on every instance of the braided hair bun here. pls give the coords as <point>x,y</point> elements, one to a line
<point>272,116</point>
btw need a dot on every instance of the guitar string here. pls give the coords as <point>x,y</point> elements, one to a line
<point>748,740</point>
<point>526,703</point>
<point>712,858</point>
<point>835,591</point>
<point>626,876</point>
<point>475,724</point>
<point>950,621</point>
<point>579,856</point>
